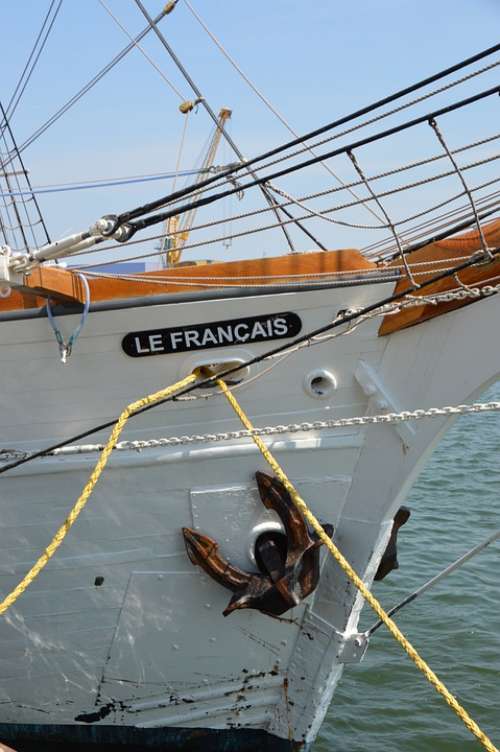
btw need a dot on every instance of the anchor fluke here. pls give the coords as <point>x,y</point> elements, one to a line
<point>389,560</point>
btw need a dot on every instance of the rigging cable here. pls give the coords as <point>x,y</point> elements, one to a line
<point>384,115</point>
<point>346,319</point>
<point>271,226</point>
<point>354,128</point>
<point>390,223</point>
<point>412,234</point>
<point>385,174</point>
<point>418,231</point>
<point>380,248</point>
<point>265,100</point>
<point>433,124</point>
<point>13,102</point>
<point>463,225</point>
<point>143,51</point>
<point>347,118</point>
<point>268,196</point>
<point>17,154</point>
<point>90,84</point>
<point>244,233</point>
<point>270,200</point>
<point>434,580</point>
<point>125,217</point>
<point>6,176</point>
<point>104,183</point>
<point>23,199</point>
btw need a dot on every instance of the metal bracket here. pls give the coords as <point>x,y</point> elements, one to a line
<point>346,647</point>
<point>374,388</point>
<point>8,276</point>
<point>352,648</point>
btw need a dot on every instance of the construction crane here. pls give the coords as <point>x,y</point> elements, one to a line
<point>177,228</point>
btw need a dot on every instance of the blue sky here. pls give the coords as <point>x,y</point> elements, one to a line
<point>314,60</point>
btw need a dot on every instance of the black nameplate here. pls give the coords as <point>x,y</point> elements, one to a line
<point>214,334</point>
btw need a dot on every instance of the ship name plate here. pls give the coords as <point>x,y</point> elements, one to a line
<point>212,334</point>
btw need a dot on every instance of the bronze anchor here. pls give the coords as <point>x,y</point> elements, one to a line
<point>289,563</point>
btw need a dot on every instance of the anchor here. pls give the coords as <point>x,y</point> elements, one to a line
<point>389,560</point>
<point>289,563</point>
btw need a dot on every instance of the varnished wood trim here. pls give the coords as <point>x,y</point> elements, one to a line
<point>65,286</point>
<point>456,250</point>
<point>54,282</point>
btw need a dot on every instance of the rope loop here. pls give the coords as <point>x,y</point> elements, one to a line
<point>66,348</point>
<point>354,577</point>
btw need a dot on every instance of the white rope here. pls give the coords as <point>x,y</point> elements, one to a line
<point>390,223</point>
<point>444,221</point>
<point>322,215</point>
<point>271,107</point>
<point>458,171</point>
<point>375,119</point>
<point>264,228</point>
<point>375,249</point>
<point>377,273</point>
<point>240,285</point>
<point>389,274</point>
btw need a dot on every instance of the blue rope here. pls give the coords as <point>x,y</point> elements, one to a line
<point>66,348</point>
<point>103,184</point>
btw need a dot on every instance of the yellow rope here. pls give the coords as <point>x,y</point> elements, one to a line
<point>358,582</point>
<point>89,487</point>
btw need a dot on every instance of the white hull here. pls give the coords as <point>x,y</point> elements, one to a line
<point>149,647</point>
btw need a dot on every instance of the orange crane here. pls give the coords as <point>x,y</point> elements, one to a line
<point>177,228</point>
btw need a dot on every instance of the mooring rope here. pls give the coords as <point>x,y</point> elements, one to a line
<point>301,505</point>
<point>80,503</point>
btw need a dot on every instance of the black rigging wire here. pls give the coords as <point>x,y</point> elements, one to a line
<point>89,85</point>
<point>133,227</point>
<point>243,233</point>
<point>382,116</point>
<point>22,201</point>
<point>23,82</point>
<point>25,173</point>
<point>385,247</point>
<point>311,134</point>
<point>271,200</point>
<point>19,227</point>
<point>358,126</point>
<point>30,57</point>
<point>385,174</point>
<point>208,382</point>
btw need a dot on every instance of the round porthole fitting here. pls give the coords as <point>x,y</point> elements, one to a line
<point>320,383</point>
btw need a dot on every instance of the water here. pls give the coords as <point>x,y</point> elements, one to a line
<point>385,703</point>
